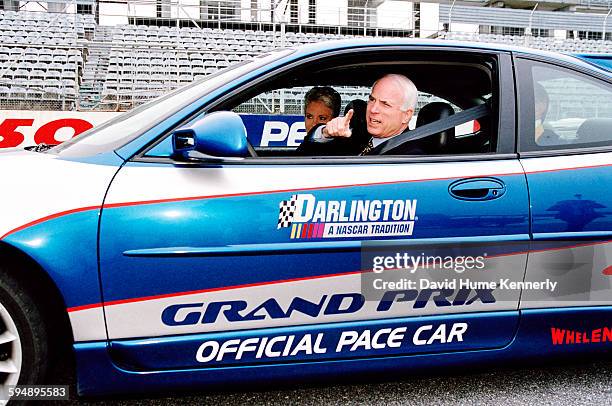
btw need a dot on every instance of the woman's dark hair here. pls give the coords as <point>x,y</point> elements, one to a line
<point>327,96</point>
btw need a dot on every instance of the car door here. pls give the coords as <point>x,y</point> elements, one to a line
<point>261,260</point>
<point>568,175</point>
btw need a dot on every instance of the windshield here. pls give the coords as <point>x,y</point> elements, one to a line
<point>119,131</point>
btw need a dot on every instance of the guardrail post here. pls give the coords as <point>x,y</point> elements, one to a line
<point>603,32</point>
<point>450,12</point>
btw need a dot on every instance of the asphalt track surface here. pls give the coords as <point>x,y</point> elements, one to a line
<point>569,383</point>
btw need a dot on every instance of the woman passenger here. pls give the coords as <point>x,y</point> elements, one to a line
<point>321,104</point>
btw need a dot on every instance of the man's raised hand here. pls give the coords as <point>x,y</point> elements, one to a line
<point>339,126</point>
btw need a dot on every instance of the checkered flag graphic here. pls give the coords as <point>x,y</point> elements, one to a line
<point>286,212</point>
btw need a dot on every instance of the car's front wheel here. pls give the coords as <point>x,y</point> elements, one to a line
<point>23,335</point>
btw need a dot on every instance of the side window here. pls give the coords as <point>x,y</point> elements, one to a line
<point>563,109</point>
<point>277,120</point>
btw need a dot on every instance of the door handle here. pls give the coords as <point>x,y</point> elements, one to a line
<point>477,189</point>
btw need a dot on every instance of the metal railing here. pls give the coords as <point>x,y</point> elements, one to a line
<point>284,25</point>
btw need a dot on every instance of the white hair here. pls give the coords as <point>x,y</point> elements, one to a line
<point>409,89</point>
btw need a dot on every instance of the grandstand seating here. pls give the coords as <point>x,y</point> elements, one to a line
<point>146,61</point>
<point>68,57</point>
<point>544,43</point>
<point>40,55</point>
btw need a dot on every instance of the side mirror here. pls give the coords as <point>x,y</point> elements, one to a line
<point>216,136</point>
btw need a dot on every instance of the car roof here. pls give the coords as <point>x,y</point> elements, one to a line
<point>329,46</point>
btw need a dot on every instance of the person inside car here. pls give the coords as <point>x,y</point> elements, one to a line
<point>543,136</point>
<point>389,109</point>
<point>321,104</point>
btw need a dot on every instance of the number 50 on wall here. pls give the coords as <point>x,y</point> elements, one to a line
<point>12,130</point>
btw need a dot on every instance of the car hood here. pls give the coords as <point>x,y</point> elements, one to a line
<point>39,186</point>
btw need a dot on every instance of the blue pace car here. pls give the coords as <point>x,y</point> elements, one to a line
<point>191,242</point>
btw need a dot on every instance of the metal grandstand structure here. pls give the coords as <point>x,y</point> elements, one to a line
<point>532,22</point>
<point>115,54</point>
<point>41,57</point>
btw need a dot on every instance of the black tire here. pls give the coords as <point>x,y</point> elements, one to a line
<point>20,308</point>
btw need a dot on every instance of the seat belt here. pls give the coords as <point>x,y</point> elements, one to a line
<point>435,127</point>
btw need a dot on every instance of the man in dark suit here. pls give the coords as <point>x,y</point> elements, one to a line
<point>389,109</point>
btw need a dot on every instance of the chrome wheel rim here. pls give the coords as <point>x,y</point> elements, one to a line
<point>10,350</point>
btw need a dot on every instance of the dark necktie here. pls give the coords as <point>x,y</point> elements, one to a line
<point>367,148</point>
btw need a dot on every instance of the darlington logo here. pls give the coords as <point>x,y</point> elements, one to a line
<point>312,218</point>
<point>186,314</point>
